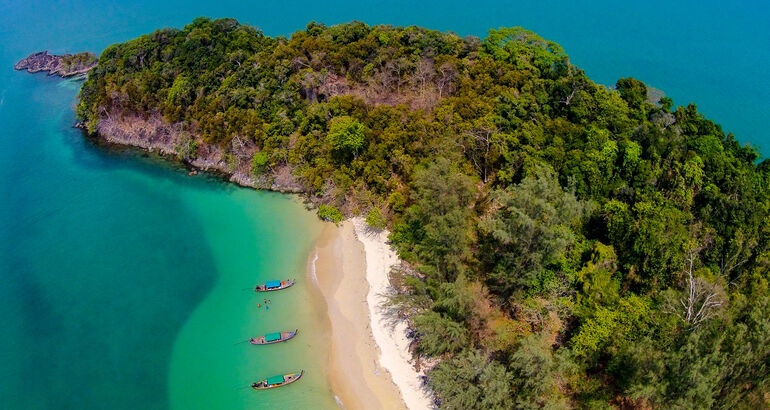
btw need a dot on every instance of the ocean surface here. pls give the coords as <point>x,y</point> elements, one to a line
<point>122,279</point>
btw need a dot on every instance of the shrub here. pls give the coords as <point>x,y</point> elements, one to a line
<point>187,148</point>
<point>375,219</point>
<point>330,213</point>
<point>259,163</point>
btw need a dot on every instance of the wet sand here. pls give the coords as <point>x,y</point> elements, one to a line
<point>355,374</point>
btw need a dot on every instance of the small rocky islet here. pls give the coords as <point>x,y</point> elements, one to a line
<point>65,65</point>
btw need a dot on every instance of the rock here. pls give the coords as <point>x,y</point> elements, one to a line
<point>66,65</point>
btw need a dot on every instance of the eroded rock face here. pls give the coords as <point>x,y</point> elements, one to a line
<point>153,133</point>
<point>66,65</point>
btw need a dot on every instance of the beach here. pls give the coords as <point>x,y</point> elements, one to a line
<point>369,362</point>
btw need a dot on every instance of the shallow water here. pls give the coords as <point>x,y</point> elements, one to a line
<point>122,277</point>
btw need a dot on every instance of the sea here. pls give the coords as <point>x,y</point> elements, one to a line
<point>126,284</point>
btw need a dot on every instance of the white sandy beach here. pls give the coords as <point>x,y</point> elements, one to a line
<point>392,340</point>
<point>370,365</point>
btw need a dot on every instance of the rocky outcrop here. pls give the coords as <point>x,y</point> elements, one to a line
<point>66,65</point>
<point>154,133</point>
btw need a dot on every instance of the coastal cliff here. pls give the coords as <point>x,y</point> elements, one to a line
<point>154,133</point>
<point>66,65</point>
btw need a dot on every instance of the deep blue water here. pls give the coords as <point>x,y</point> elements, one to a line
<point>104,256</point>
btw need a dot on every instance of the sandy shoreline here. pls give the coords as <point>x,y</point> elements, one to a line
<point>370,365</point>
<point>355,376</point>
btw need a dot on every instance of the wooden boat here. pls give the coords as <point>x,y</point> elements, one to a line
<point>277,381</point>
<point>274,285</point>
<point>270,338</point>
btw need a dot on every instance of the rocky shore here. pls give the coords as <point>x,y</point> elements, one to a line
<point>154,133</point>
<point>66,65</point>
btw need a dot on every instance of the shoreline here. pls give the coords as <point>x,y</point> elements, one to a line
<point>350,267</point>
<point>155,135</point>
<point>370,365</point>
<point>355,375</point>
<point>389,333</point>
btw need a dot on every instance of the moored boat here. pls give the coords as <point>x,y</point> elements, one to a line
<point>277,381</point>
<point>274,285</point>
<point>276,337</point>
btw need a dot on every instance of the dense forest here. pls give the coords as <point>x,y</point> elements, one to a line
<point>566,244</point>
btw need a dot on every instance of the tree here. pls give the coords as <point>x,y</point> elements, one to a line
<point>441,216</point>
<point>701,299</point>
<point>518,45</point>
<point>535,375</point>
<point>186,148</point>
<point>613,325</point>
<point>529,230</point>
<point>439,334</point>
<point>346,135</point>
<point>633,91</point>
<point>714,366</point>
<point>471,381</point>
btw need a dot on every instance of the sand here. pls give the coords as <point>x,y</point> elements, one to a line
<point>355,375</point>
<point>390,334</point>
<point>370,364</point>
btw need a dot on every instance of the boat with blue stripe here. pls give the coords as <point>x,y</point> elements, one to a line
<point>274,285</point>
<point>271,338</point>
<point>277,381</point>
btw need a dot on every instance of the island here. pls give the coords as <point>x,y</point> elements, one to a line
<point>66,65</point>
<point>548,241</point>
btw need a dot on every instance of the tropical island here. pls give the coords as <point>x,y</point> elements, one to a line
<point>563,244</point>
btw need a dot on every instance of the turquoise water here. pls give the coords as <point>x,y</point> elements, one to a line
<point>126,283</point>
<point>121,276</point>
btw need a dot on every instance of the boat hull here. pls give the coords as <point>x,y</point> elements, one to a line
<point>264,288</point>
<point>288,379</point>
<point>284,337</point>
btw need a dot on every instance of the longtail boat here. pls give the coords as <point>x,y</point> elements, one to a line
<point>274,285</point>
<point>277,381</point>
<point>270,338</point>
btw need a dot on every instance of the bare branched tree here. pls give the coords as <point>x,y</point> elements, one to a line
<point>482,139</point>
<point>446,78</point>
<point>424,73</point>
<point>575,85</point>
<point>701,299</point>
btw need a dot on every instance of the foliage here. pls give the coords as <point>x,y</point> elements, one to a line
<point>71,62</point>
<point>536,375</point>
<point>375,219</point>
<point>440,217</point>
<point>259,163</point>
<point>346,135</point>
<point>330,213</point>
<point>187,148</point>
<point>471,381</point>
<point>529,231</point>
<point>439,334</point>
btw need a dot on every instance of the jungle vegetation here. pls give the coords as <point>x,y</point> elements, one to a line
<point>566,244</point>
